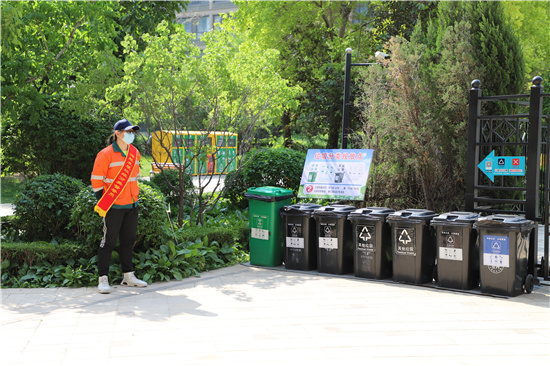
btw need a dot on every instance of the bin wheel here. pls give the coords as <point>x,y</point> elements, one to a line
<point>529,283</point>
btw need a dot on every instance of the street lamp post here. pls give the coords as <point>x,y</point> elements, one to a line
<point>347,82</point>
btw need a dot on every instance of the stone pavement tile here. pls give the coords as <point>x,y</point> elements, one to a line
<point>249,315</point>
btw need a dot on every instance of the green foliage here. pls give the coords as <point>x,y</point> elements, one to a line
<point>311,38</point>
<point>172,195</point>
<point>496,45</point>
<point>10,185</point>
<point>186,252</point>
<point>51,45</point>
<point>397,18</point>
<point>33,252</point>
<point>221,229</point>
<point>78,273</point>
<point>59,143</point>
<point>73,265</point>
<point>268,167</point>
<point>415,106</point>
<point>71,48</point>
<point>43,207</point>
<point>530,20</point>
<point>88,225</point>
<point>178,261</point>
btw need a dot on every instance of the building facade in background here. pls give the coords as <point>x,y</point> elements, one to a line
<point>202,16</point>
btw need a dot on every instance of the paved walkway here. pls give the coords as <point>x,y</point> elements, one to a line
<point>257,316</point>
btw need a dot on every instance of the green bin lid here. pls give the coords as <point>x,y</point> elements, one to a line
<point>269,193</point>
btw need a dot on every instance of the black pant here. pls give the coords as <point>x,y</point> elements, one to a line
<point>118,223</point>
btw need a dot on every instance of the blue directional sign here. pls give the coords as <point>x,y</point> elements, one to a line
<point>502,165</point>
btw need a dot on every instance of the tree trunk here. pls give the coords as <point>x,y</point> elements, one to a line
<point>287,133</point>
<point>334,129</point>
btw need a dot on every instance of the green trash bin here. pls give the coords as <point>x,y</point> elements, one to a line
<point>266,226</point>
<point>504,252</point>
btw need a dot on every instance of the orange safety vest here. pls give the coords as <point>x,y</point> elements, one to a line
<point>108,163</point>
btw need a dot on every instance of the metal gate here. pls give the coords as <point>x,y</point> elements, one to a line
<point>521,134</point>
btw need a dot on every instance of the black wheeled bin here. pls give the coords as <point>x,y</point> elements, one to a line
<point>335,242</point>
<point>504,252</point>
<point>372,242</point>
<point>300,243</point>
<point>457,254</point>
<point>414,246</point>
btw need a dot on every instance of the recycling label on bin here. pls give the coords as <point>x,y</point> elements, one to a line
<point>259,229</point>
<point>405,242</point>
<point>450,245</point>
<point>328,238</point>
<point>294,235</point>
<point>496,251</point>
<point>365,238</point>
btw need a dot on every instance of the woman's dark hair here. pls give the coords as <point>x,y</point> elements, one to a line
<point>111,139</point>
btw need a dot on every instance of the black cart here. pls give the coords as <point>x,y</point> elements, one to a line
<point>457,254</point>
<point>300,241</point>
<point>335,243</point>
<point>414,246</point>
<point>504,252</point>
<point>372,242</point>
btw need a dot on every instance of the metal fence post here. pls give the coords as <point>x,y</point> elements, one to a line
<point>345,116</point>
<point>472,153</point>
<point>533,168</point>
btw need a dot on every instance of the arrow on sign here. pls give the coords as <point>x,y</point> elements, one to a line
<point>502,165</point>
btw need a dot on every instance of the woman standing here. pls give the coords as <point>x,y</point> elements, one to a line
<point>114,182</point>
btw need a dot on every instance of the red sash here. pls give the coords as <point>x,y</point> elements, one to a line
<point>119,183</point>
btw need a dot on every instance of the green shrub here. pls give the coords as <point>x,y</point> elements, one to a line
<point>41,264</point>
<point>88,225</point>
<point>43,207</point>
<point>270,167</point>
<point>34,252</point>
<point>172,197</point>
<point>236,234</point>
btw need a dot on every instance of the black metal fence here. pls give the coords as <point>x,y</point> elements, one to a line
<point>521,133</point>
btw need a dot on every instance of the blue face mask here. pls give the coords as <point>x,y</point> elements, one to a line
<point>129,138</point>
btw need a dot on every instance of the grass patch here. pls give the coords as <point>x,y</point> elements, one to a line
<point>10,186</point>
<point>145,165</point>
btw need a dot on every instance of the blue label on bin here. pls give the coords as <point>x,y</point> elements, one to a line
<point>496,251</point>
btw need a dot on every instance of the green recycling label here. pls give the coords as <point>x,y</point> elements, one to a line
<point>259,229</point>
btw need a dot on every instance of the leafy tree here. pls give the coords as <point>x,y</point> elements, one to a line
<point>311,37</point>
<point>60,47</point>
<point>61,143</point>
<point>51,44</point>
<point>530,20</point>
<point>495,43</point>
<point>397,18</point>
<point>168,84</point>
<point>415,106</point>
